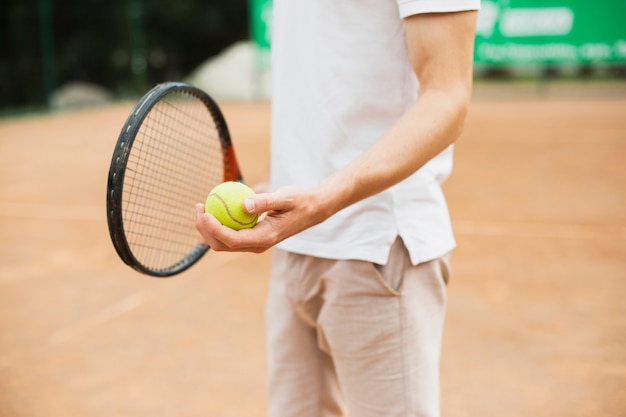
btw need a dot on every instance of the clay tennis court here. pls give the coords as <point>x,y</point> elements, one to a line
<point>536,322</point>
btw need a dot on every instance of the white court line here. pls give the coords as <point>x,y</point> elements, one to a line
<point>107,314</point>
<point>126,305</point>
<point>46,211</point>
<point>538,230</point>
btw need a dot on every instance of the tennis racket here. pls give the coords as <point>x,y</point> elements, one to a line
<point>172,150</point>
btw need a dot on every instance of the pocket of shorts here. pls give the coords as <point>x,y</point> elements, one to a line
<point>393,287</point>
<point>446,270</point>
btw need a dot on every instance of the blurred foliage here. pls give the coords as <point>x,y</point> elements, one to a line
<point>94,41</point>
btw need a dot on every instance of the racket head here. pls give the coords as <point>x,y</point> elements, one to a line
<point>172,150</point>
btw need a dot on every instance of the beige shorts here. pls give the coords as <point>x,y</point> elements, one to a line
<point>354,338</point>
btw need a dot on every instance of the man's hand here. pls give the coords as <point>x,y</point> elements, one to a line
<point>286,212</point>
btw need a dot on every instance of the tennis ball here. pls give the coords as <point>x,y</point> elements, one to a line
<point>225,203</point>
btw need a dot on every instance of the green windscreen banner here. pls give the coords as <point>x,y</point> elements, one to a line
<point>519,32</point>
<point>261,30</point>
<point>550,32</point>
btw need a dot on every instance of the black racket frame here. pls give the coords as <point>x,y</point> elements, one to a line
<point>119,160</point>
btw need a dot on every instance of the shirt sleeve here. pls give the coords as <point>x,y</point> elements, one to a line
<point>411,7</point>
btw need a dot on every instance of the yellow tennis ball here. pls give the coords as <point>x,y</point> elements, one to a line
<point>225,203</point>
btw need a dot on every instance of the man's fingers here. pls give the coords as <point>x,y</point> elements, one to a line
<point>221,238</point>
<point>264,202</point>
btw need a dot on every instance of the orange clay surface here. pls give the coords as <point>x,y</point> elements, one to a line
<point>536,322</point>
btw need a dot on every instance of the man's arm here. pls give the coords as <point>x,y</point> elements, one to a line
<point>441,50</point>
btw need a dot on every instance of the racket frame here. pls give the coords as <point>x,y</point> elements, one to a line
<point>119,161</point>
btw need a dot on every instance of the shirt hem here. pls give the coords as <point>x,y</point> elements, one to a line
<point>374,255</point>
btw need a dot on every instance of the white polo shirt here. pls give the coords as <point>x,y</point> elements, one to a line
<point>341,78</point>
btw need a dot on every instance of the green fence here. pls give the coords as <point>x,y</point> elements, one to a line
<point>124,46</point>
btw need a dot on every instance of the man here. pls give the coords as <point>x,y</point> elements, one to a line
<point>357,217</point>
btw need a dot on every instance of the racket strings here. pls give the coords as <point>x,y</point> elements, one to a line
<point>179,165</point>
<point>157,225</point>
<point>176,159</point>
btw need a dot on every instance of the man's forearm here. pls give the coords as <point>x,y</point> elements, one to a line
<point>433,123</point>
